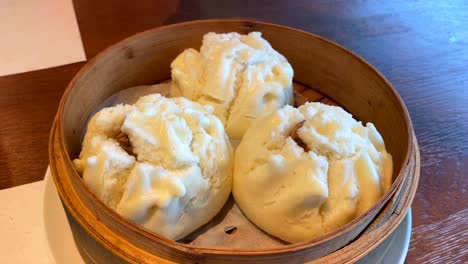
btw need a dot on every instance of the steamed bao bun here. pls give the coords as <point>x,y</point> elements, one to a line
<point>241,76</point>
<point>165,164</point>
<point>297,193</point>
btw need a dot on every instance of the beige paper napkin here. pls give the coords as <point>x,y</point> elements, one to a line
<point>37,35</point>
<point>21,225</point>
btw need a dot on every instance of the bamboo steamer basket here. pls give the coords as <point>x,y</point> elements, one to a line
<point>323,71</point>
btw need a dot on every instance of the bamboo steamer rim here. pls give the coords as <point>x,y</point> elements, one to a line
<point>206,250</point>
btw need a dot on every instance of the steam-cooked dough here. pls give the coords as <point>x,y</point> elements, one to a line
<point>163,163</point>
<point>331,170</point>
<point>241,76</point>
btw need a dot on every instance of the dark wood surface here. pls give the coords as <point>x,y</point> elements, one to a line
<point>420,46</point>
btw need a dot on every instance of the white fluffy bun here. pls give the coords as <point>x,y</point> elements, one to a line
<point>162,163</point>
<point>302,184</point>
<point>241,76</point>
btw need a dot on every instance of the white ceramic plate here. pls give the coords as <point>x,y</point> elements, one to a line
<point>63,248</point>
<point>393,250</point>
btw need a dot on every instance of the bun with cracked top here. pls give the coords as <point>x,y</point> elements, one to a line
<point>241,76</point>
<point>164,163</point>
<point>302,172</point>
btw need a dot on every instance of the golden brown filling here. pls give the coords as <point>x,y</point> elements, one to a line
<point>124,143</point>
<point>293,134</point>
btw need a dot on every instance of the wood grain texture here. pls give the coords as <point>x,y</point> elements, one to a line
<point>28,103</point>
<point>420,46</point>
<point>453,230</point>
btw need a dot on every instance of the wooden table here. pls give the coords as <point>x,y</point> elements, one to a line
<point>420,46</point>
